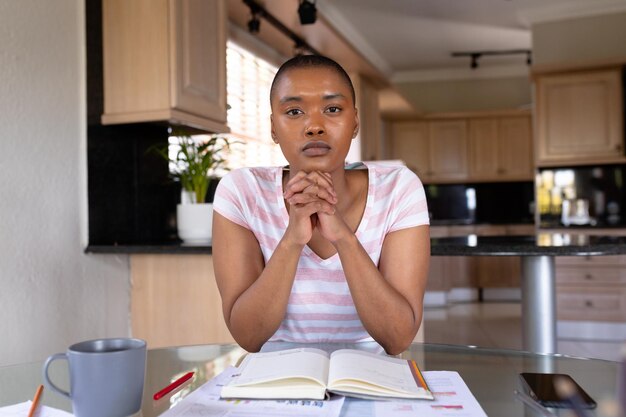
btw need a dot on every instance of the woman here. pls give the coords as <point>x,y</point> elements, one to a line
<point>318,253</point>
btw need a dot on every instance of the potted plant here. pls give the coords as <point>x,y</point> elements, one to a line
<point>195,163</point>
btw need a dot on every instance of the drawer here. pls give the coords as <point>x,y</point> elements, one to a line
<point>590,275</point>
<point>590,260</point>
<point>582,303</point>
<point>520,229</point>
<point>490,230</point>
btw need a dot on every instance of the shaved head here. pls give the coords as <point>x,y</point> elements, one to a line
<point>311,61</point>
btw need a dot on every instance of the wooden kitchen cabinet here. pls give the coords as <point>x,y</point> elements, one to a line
<point>409,142</point>
<point>455,148</point>
<point>496,271</point>
<point>591,288</point>
<point>175,301</point>
<point>448,150</point>
<point>437,274</point>
<point>579,118</point>
<point>500,148</point>
<point>165,61</point>
<point>436,150</point>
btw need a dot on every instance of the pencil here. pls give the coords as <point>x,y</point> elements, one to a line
<point>171,387</point>
<point>33,406</point>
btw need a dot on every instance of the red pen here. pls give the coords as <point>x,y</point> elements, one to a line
<point>171,387</point>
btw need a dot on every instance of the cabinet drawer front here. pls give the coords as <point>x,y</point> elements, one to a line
<point>589,275</point>
<point>586,304</point>
<point>590,260</point>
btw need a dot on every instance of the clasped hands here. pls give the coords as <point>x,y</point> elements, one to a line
<point>313,204</point>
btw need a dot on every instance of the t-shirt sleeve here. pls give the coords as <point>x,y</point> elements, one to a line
<point>229,199</point>
<point>409,207</point>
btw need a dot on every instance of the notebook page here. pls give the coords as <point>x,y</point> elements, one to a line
<point>271,366</point>
<point>382,370</point>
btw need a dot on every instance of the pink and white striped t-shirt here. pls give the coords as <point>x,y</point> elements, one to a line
<point>320,306</point>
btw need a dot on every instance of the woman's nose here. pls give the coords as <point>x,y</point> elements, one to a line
<point>314,129</point>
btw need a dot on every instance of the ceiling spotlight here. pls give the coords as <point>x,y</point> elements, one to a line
<point>476,55</point>
<point>254,24</point>
<point>307,12</point>
<point>474,63</point>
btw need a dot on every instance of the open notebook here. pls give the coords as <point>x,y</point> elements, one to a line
<point>307,373</point>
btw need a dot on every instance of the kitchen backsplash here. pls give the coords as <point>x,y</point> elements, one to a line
<point>582,196</point>
<point>495,203</point>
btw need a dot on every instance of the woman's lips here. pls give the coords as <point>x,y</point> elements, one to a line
<point>316,148</point>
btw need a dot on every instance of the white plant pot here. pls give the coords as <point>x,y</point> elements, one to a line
<point>194,222</point>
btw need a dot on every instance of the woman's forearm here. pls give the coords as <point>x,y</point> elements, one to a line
<point>385,313</point>
<point>259,311</point>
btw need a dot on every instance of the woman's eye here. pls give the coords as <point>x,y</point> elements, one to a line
<point>333,109</point>
<point>294,112</point>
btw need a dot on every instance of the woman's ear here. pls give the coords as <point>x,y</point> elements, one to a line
<point>356,124</point>
<point>274,138</point>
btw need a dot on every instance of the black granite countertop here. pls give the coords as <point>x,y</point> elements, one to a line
<point>555,244</point>
<point>552,244</point>
<point>159,249</point>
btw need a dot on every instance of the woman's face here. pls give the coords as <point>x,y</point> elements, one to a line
<point>313,119</point>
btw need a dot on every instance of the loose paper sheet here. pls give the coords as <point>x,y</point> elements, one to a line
<point>22,409</point>
<point>452,398</point>
<point>206,402</point>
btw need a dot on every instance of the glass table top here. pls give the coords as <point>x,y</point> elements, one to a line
<point>490,374</point>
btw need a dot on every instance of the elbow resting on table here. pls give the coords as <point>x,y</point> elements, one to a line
<point>397,347</point>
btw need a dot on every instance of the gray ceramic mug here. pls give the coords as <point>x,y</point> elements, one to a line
<point>106,376</point>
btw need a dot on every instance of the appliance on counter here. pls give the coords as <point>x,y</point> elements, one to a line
<point>575,211</point>
<point>495,203</point>
<point>588,196</point>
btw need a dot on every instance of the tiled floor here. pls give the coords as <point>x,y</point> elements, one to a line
<point>497,324</point>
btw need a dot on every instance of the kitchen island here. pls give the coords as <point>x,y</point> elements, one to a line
<point>538,254</point>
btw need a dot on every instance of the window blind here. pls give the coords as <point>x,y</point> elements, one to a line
<point>248,87</point>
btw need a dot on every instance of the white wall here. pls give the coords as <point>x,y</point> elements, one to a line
<point>576,41</point>
<point>467,94</point>
<point>51,294</point>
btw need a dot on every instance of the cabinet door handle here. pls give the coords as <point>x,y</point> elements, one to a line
<point>588,303</point>
<point>618,147</point>
<point>588,276</point>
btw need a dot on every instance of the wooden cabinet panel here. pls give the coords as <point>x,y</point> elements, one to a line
<point>477,148</point>
<point>591,275</point>
<point>409,142</point>
<point>515,146</point>
<point>580,118</point>
<point>584,261</point>
<point>175,301</point>
<point>500,149</point>
<point>448,150</point>
<point>437,275</point>
<point>483,148</point>
<point>497,271</point>
<point>591,288</point>
<point>520,229</point>
<point>199,70</point>
<point>593,304</point>
<point>437,151</point>
<point>165,61</point>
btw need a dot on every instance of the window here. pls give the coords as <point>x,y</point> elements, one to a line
<point>248,85</point>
